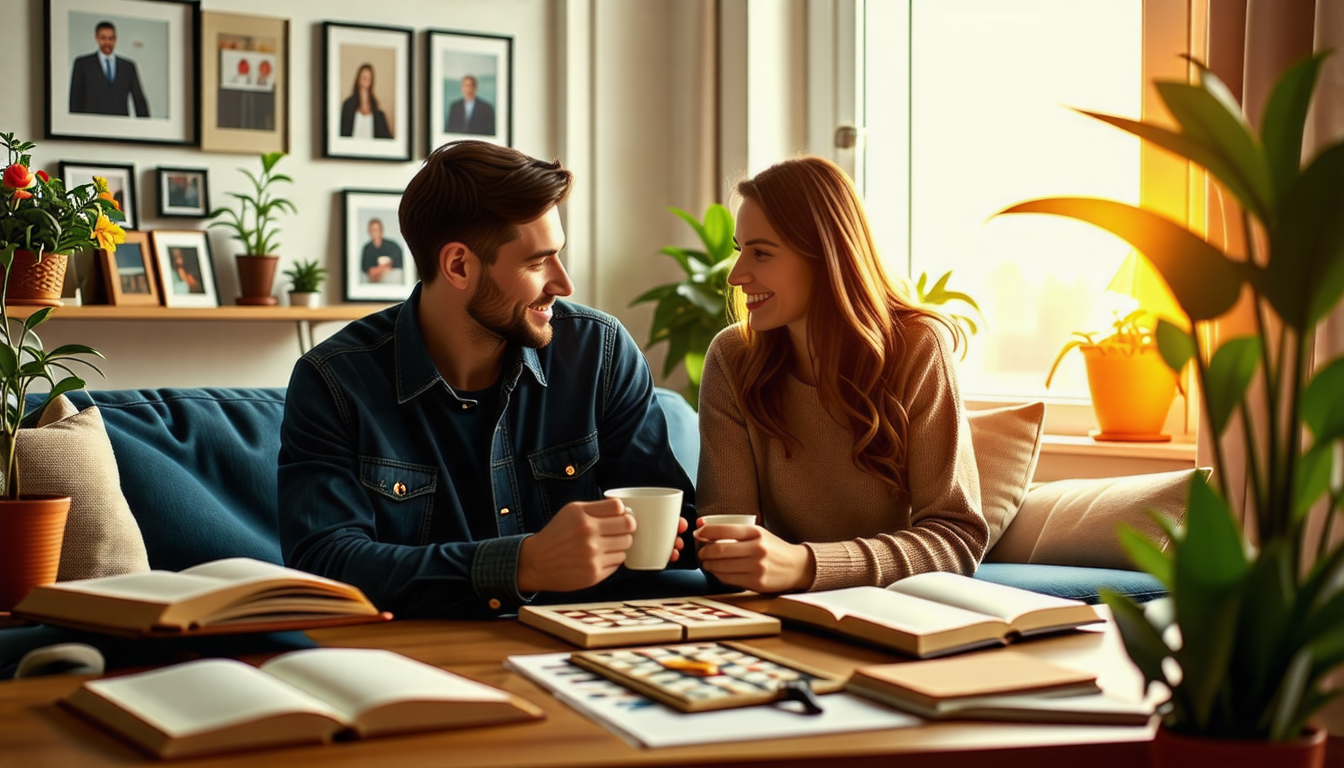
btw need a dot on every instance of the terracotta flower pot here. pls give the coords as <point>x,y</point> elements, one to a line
<point>256,279</point>
<point>31,531</point>
<point>36,283</point>
<point>1175,750</point>
<point>1131,394</point>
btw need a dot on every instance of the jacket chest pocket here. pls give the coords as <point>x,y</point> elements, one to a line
<point>563,473</point>
<point>402,496</point>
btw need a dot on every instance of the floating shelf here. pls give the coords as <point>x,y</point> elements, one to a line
<point>226,313</point>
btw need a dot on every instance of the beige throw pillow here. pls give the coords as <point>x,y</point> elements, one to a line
<point>68,454</point>
<point>1075,522</point>
<point>1007,443</point>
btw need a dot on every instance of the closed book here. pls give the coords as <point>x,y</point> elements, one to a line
<point>302,697</point>
<point>934,614</point>
<point>233,595</point>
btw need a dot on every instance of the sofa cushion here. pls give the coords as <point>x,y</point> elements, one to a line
<point>1076,522</point>
<point>1073,582</point>
<point>1007,444</point>
<point>199,467</point>
<point>68,454</point>
<point>683,429</point>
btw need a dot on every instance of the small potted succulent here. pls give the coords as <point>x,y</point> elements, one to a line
<point>253,225</point>
<point>305,283</point>
<point>40,222</point>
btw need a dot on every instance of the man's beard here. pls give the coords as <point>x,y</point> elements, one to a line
<point>492,310</point>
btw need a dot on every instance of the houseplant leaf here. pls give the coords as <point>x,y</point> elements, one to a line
<point>1322,407</point>
<point>1230,373</point>
<point>1145,554</point>
<point>1283,120</point>
<point>1175,345</point>
<point>1203,281</point>
<point>1307,246</point>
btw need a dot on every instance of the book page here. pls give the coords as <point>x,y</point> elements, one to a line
<point>159,587</point>
<point>357,680</point>
<point>240,570</point>
<point>905,613</point>
<point>206,695</point>
<point>1003,602</point>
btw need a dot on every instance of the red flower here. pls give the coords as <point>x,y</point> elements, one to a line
<point>22,194</point>
<point>43,176</point>
<point>17,176</point>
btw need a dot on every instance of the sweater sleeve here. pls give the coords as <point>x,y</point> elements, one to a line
<point>947,529</point>
<point>726,483</point>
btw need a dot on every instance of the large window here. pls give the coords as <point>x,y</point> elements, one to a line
<point>967,110</point>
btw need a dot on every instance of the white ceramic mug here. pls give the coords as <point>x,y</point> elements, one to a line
<point>723,520</point>
<point>656,511</point>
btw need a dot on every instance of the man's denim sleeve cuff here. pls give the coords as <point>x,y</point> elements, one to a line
<point>494,574</point>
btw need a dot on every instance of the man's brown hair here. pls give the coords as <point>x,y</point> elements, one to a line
<point>476,193</point>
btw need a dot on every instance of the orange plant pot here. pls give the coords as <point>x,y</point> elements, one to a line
<point>256,280</point>
<point>1174,750</point>
<point>31,531</point>
<point>1131,393</point>
<point>36,283</point>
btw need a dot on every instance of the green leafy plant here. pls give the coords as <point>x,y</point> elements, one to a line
<point>1250,630</point>
<point>253,221</point>
<point>306,276</point>
<point>1128,337</point>
<point>937,296</point>
<point>39,214</point>
<point>690,312</point>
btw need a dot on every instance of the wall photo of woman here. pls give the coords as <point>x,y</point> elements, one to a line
<point>831,411</point>
<point>361,117</point>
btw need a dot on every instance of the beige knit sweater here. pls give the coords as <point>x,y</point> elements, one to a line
<point>859,533</point>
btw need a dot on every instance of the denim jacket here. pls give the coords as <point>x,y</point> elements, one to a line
<point>364,473</point>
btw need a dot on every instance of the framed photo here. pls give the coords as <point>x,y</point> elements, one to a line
<point>470,87</point>
<point>129,272</point>
<point>366,103</point>
<point>120,182</point>
<point>244,83</point>
<point>377,264</point>
<point>183,192</point>
<point>121,70</point>
<point>185,269</point>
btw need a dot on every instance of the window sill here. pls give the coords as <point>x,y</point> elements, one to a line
<point>1072,456</point>
<point>1085,446</point>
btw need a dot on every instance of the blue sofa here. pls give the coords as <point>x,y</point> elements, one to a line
<point>198,468</point>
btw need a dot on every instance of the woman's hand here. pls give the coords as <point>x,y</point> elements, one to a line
<point>750,557</point>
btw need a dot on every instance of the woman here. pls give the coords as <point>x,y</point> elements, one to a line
<point>360,116</point>
<point>833,411</point>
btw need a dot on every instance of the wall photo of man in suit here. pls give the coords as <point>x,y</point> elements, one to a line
<point>104,83</point>
<point>470,114</point>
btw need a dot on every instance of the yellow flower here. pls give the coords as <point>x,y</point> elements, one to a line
<point>107,235</point>
<point>100,183</point>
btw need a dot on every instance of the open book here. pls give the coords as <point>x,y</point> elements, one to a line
<point>932,614</point>
<point>219,597</point>
<point>301,697</point>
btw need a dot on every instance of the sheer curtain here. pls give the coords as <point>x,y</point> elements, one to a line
<point>1251,43</point>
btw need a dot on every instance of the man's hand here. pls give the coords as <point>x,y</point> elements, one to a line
<point>751,557</point>
<point>582,545</point>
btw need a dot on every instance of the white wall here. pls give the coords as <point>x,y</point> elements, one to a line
<point>153,354</point>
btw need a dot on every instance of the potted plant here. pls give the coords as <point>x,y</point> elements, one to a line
<point>688,313</point>
<point>936,296</point>
<point>1251,628</point>
<point>41,222</point>
<point>305,280</point>
<point>1132,387</point>
<point>253,225</point>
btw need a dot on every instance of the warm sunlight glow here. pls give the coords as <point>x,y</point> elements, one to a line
<point>990,125</point>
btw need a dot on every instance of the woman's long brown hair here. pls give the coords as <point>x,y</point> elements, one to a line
<point>857,317</point>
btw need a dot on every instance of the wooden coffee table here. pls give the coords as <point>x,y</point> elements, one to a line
<point>36,732</point>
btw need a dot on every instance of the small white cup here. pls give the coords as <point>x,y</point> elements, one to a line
<point>729,519</point>
<point>656,511</point>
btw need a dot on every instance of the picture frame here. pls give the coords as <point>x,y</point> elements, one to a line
<point>128,273</point>
<point>454,58</point>
<point>367,94</point>
<point>185,268</point>
<point>120,182</point>
<point>244,83</point>
<point>377,265</point>
<point>145,92</point>
<point>182,192</point>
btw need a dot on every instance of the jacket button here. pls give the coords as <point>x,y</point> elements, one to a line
<point>465,406</point>
<point>504,511</point>
<point>399,489</point>
<point>569,470</point>
<point>494,604</point>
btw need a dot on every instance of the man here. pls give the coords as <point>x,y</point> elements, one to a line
<point>380,256</point>
<point>470,114</point>
<point>448,454</point>
<point>102,82</point>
